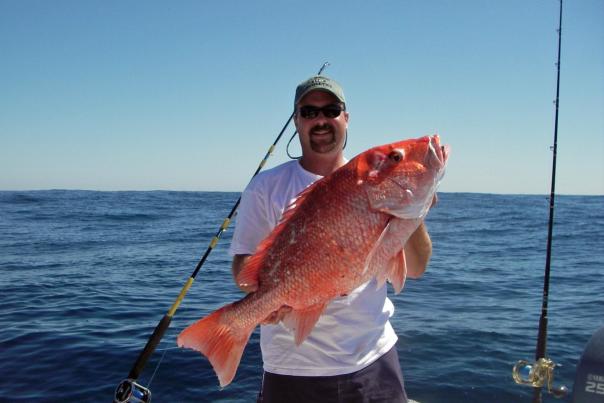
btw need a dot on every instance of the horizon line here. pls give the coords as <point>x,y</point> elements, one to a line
<point>240,191</point>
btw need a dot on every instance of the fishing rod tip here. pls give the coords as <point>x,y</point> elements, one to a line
<point>325,65</point>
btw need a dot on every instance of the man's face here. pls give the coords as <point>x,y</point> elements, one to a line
<point>321,134</point>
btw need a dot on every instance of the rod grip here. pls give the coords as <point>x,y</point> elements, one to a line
<point>152,343</point>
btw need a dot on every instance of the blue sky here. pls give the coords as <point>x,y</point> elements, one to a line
<point>188,95</point>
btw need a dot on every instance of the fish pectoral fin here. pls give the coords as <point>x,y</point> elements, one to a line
<point>397,271</point>
<point>381,279</point>
<point>302,321</point>
<point>248,276</point>
<point>377,248</point>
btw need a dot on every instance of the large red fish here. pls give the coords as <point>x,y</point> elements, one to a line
<point>342,231</point>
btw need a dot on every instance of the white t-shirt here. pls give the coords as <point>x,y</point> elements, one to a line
<point>352,332</point>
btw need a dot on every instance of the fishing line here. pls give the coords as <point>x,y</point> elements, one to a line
<point>287,147</point>
<point>129,390</point>
<point>158,364</point>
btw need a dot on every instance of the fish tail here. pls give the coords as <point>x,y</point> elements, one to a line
<point>220,341</point>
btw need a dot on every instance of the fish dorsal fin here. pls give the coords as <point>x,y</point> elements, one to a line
<point>250,273</point>
<point>295,203</point>
<point>302,321</point>
<point>387,261</point>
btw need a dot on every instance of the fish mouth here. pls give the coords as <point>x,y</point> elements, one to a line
<point>436,159</point>
<point>437,154</point>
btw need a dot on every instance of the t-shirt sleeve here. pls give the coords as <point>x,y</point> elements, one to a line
<point>252,223</point>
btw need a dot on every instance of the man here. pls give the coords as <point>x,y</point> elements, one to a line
<point>350,355</point>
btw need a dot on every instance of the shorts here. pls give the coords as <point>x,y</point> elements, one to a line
<point>381,381</point>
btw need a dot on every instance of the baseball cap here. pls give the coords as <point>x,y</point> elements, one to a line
<point>320,83</point>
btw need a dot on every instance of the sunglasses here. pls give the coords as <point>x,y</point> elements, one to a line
<point>329,111</point>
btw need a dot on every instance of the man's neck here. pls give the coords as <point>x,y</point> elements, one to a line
<point>322,166</point>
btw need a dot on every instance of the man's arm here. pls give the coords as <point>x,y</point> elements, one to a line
<point>418,250</point>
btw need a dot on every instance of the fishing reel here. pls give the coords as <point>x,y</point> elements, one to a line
<point>128,391</point>
<point>537,375</point>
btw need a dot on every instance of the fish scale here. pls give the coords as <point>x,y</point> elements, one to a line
<point>334,250</point>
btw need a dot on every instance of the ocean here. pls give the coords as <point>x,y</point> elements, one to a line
<point>85,276</point>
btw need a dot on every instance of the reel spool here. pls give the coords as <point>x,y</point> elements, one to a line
<point>537,375</point>
<point>129,391</point>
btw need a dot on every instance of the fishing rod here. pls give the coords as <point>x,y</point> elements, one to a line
<point>129,390</point>
<point>541,372</point>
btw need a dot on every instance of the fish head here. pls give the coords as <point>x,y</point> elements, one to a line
<point>401,178</point>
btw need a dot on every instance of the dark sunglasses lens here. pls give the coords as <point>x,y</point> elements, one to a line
<point>332,111</point>
<point>309,112</point>
<point>329,111</point>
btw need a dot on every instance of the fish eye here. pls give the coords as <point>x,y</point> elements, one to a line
<point>395,155</point>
